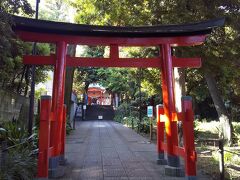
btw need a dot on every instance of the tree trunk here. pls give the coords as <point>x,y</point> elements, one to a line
<point>179,87</point>
<point>19,90</point>
<point>85,100</point>
<point>69,80</point>
<point>226,125</point>
<point>68,87</point>
<point>27,74</point>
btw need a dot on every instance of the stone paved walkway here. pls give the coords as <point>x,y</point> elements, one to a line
<point>105,150</point>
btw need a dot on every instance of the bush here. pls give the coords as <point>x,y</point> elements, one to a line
<point>125,110</point>
<point>236,127</point>
<point>128,115</point>
<point>20,164</point>
<point>20,156</point>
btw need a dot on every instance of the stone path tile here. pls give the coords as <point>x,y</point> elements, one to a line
<point>105,150</point>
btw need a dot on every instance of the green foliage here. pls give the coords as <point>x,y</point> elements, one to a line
<point>68,126</point>
<point>68,129</point>
<point>85,76</point>
<point>20,157</point>
<point>196,128</point>
<point>231,159</point>
<point>128,114</point>
<point>57,10</point>
<point>15,134</point>
<point>118,80</point>
<point>122,111</point>
<point>220,53</point>
<point>39,92</point>
<point>236,127</point>
<point>20,164</point>
<point>9,47</point>
<point>14,75</point>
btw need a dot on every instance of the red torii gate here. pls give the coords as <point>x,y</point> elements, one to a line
<point>53,112</point>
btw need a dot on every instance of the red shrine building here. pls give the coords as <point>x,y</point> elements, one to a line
<point>98,95</point>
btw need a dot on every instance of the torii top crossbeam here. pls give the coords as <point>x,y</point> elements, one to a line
<point>52,32</point>
<point>49,31</point>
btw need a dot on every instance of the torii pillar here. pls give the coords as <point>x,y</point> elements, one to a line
<point>173,161</point>
<point>58,107</point>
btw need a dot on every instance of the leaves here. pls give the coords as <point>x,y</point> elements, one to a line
<point>220,53</point>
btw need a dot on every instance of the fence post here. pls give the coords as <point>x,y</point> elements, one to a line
<point>44,136</point>
<point>132,124</point>
<point>221,158</point>
<point>188,138</point>
<point>151,128</point>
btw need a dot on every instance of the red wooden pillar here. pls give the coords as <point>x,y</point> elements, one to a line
<point>58,94</point>
<point>64,129</point>
<point>160,135</point>
<point>54,96</point>
<point>188,138</point>
<point>169,105</point>
<point>44,137</point>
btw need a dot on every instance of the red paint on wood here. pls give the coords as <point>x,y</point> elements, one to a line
<point>186,62</point>
<point>63,141</point>
<point>114,52</point>
<point>58,94</point>
<point>179,151</point>
<point>51,151</point>
<point>168,98</point>
<point>160,129</point>
<point>113,62</point>
<point>121,41</point>
<point>180,116</point>
<point>44,138</point>
<point>188,138</point>
<point>164,146</point>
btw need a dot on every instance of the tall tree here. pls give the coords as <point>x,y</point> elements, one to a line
<point>219,53</point>
<point>11,49</point>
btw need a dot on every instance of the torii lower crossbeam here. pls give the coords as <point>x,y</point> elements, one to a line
<point>113,62</point>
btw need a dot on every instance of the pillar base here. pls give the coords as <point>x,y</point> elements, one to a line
<point>173,161</point>
<point>55,170</point>
<point>174,171</point>
<point>62,160</point>
<point>191,177</point>
<point>161,159</point>
<point>173,168</point>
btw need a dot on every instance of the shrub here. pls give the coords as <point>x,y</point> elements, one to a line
<point>20,156</point>
<point>20,164</point>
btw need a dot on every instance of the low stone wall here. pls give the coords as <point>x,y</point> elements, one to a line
<point>13,106</point>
